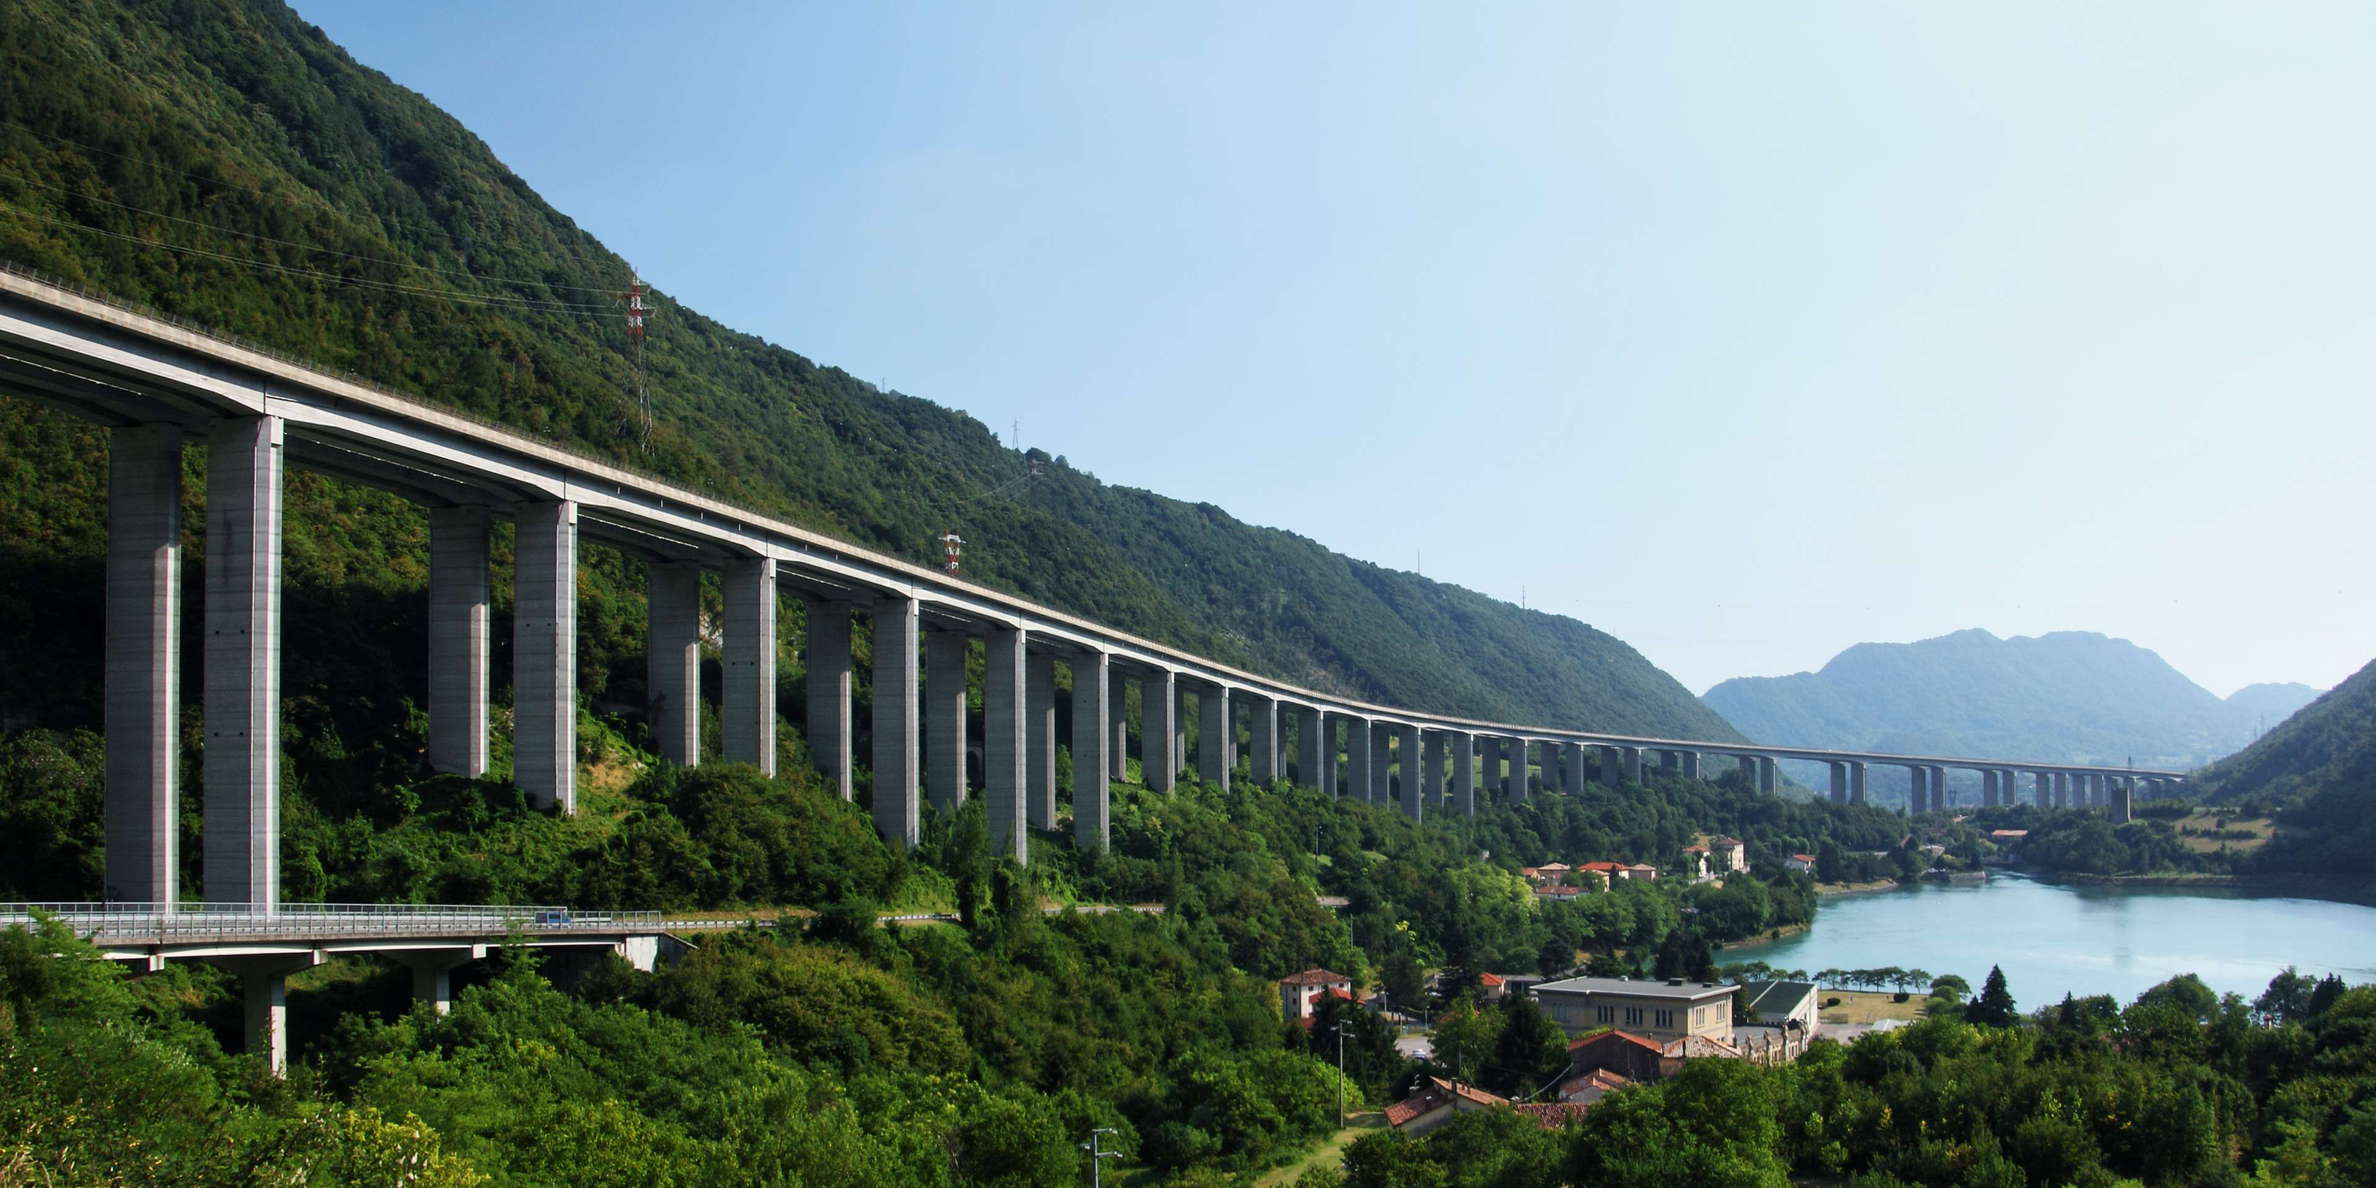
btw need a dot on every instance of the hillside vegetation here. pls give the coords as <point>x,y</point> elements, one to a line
<point>221,160</point>
<point>2073,696</point>
<point>2317,771</point>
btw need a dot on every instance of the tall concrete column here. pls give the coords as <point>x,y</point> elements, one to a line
<point>1691,765</point>
<point>1856,783</point>
<point>749,684</point>
<point>1988,787</point>
<point>672,660</point>
<point>1432,745</point>
<point>1039,802</point>
<point>1214,732</point>
<point>897,706</point>
<point>1091,808</point>
<point>1411,785</point>
<point>1941,798</point>
<point>1766,781</point>
<point>1262,736</point>
<point>1670,762</point>
<point>1381,789</point>
<point>1159,755</point>
<point>240,772</point>
<point>544,655</point>
<point>458,640</point>
<point>1308,737</point>
<point>1464,773</point>
<point>1180,725</point>
<point>2062,789</point>
<point>944,719</point>
<point>2124,805</point>
<point>1489,765</point>
<point>1521,769</point>
<point>1629,762</point>
<point>142,701</point>
<point>1571,759</point>
<point>1839,781</point>
<point>264,989</point>
<point>1331,754</point>
<point>1117,725</point>
<point>1004,743</point>
<point>827,686</point>
<point>1917,798</point>
<point>1357,756</point>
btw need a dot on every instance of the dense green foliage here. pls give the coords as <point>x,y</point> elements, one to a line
<point>2072,696</point>
<point>2181,1087</point>
<point>328,212</point>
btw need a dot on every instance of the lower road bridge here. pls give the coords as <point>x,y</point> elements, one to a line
<point>264,947</point>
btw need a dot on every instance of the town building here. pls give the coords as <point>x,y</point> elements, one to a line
<point>1801,862</point>
<point>1782,1004</point>
<point>1695,863</point>
<point>1300,994</point>
<point>1656,1010</point>
<point>1730,855</point>
<point>1620,1052</point>
<point>1434,1104</point>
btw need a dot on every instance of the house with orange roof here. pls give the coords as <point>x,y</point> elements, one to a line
<point>1436,1102</point>
<point>1300,993</point>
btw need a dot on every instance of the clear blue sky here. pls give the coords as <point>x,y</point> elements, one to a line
<point>1744,333</point>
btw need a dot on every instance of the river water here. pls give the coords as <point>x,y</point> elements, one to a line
<point>2051,939</point>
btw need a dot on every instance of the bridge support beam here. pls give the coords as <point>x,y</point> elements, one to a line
<point>827,689</point>
<point>1159,736</point>
<point>1767,781</point>
<point>897,706</point>
<point>1988,788</point>
<point>672,660</point>
<point>1091,673</point>
<point>143,683</point>
<point>1464,773</point>
<point>1942,797</point>
<point>1489,765</point>
<point>1629,764</point>
<point>1005,743</point>
<point>1039,801</point>
<point>1434,745</point>
<point>1214,734</point>
<point>264,989</point>
<point>944,719</point>
<point>544,655</point>
<point>1413,783</point>
<point>1856,783</point>
<point>1917,792</point>
<point>1691,765</point>
<point>433,972</point>
<point>1381,772</point>
<point>1117,724</point>
<point>458,640</point>
<point>1262,736</point>
<point>1310,728</point>
<point>1839,781</point>
<point>749,684</point>
<point>241,766</point>
<point>1357,757</point>
<point>1571,765</point>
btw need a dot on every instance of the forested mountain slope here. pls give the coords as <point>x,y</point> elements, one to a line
<point>2066,695</point>
<point>223,161</point>
<point>2318,770</point>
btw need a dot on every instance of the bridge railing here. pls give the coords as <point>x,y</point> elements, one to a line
<point>197,921</point>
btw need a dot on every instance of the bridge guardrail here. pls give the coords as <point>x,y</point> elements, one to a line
<point>197,921</point>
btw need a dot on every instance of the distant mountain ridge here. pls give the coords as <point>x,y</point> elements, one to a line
<point>2075,696</point>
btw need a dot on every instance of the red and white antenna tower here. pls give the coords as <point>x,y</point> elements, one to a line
<point>635,335</point>
<point>951,545</point>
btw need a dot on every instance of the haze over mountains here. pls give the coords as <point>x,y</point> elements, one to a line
<point>2076,696</point>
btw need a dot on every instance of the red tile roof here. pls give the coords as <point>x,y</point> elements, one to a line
<point>1314,977</point>
<point>1612,1037</point>
<point>1489,979</point>
<point>1426,1101</point>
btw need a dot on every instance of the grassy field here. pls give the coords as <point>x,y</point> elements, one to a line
<point>1861,1006</point>
<point>1329,1151</point>
<point>2204,823</point>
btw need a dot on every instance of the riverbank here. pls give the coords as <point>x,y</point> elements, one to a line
<point>1831,889</point>
<point>2290,886</point>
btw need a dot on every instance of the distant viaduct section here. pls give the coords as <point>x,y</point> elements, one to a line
<point>160,388</point>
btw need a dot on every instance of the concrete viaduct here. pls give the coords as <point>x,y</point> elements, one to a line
<point>160,387</point>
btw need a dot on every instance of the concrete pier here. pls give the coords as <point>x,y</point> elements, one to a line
<point>1691,765</point>
<point>1091,672</point>
<point>1357,757</point>
<point>1839,782</point>
<point>1942,797</point>
<point>1005,745</point>
<point>1262,739</point>
<point>897,706</point>
<point>240,771</point>
<point>1856,783</point>
<point>1413,782</point>
<point>1464,773</point>
<point>264,989</point>
<point>1917,798</point>
<point>1310,727</point>
<point>1159,736</point>
<point>1489,765</point>
<point>142,701</point>
<point>1629,764</point>
<point>1433,745</point>
<point>433,972</point>
<point>1214,734</point>
<point>672,660</point>
<point>1117,724</point>
<point>544,655</point>
<point>1988,788</point>
<point>458,635</point>
<point>1571,765</point>
<point>748,687</point>
<point>1381,771</point>
<point>1039,797</point>
<point>944,719</point>
<point>1767,781</point>
<point>827,688</point>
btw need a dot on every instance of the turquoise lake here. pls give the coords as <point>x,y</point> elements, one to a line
<point>2051,939</point>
